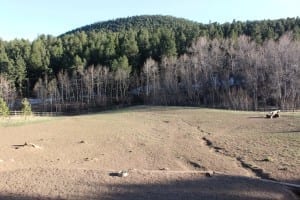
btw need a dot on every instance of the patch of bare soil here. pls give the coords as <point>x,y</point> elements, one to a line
<point>42,183</point>
<point>169,153</point>
<point>270,148</point>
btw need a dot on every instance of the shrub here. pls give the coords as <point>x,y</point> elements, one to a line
<point>26,107</point>
<point>4,110</point>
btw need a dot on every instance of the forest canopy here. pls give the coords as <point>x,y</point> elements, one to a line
<point>158,60</point>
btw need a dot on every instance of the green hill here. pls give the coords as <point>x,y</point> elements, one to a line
<point>259,30</point>
<point>139,22</point>
<point>117,50</point>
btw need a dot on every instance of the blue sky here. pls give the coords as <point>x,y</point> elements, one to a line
<point>30,18</point>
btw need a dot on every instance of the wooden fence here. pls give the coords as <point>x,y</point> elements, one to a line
<point>41,114</point>
<point>88,111</point>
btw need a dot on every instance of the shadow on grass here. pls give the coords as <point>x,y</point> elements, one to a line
<point>133,108</point>
<point>257,117</point>
<point>289,131</point>
<point>216,187</point>
<point>23,197</point>
<point>220,187</point>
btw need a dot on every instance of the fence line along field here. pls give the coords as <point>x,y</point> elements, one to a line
<point>165,152</point>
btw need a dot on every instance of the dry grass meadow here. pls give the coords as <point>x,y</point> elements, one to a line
<point>167,151</point>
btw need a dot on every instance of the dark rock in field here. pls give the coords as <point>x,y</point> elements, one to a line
<point>209,174</point>
<point>273,114</point>
<point>164,169</point>
<point>122,173</point>
<point>283,168</point>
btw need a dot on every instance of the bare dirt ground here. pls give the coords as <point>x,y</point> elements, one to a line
<point>166,150</point>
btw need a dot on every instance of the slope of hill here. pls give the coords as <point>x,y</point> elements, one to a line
<point>121,48</point>
<point>259,30</point>
<point>138,22</point>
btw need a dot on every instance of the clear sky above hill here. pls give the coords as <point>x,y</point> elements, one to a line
<point>30,18</point>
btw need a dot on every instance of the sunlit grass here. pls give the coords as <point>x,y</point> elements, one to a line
<point>22,120</point>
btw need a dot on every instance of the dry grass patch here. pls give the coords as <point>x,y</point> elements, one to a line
<point>21,120</point>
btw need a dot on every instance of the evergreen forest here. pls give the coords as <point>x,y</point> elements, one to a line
<point>158,60</point>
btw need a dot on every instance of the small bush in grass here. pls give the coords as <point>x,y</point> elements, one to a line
<point>26,107</point>
<point>4,110</point>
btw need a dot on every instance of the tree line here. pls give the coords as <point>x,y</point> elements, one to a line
<point>224,73</point>
<point>160,60</point>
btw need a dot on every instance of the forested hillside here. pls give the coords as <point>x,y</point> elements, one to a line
<point>157,60</point>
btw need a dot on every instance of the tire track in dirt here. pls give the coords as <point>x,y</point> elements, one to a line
<point>258,172</point>
<point>219,154</point>
<point>253,170</point>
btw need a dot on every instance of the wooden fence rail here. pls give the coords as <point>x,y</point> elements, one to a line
<point>41,114</point>
<point>51,114</point>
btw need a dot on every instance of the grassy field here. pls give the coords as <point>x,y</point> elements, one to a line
<point>157,138</point>
<point>21,120</point>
